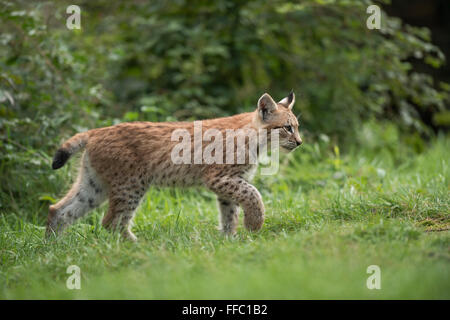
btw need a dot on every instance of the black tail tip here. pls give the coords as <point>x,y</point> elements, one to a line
<point>60,159</point>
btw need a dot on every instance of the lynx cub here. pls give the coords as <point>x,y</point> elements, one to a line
<point>121,162</point>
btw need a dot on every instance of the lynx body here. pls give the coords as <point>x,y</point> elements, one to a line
<point>121,162</point>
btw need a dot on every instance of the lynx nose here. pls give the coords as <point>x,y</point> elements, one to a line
<point>299,142</point>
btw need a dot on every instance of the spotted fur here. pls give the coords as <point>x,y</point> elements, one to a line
<point>121,162</point>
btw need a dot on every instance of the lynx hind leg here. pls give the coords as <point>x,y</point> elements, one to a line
<point>87,193</point>
<point>228,216</point>
<point>123,203</point>
<point>116,220</point>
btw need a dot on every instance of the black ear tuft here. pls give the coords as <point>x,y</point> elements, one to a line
<point>60,159</point>
<point>288,101</point>
<point>291,96</point>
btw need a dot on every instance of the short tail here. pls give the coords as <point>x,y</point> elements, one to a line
<point>68,148</point>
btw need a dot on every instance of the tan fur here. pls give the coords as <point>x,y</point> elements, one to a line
<point>121,162</point>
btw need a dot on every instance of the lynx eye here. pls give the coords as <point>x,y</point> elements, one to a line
<point>289,129</point>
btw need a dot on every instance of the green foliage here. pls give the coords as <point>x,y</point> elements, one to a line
<point>155,60</point>
<point>365,185</point>
<point>322,231</point>
<point>201,59</point>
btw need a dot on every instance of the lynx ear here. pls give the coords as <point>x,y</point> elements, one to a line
<point>266,106</point>
<point>289,100</point>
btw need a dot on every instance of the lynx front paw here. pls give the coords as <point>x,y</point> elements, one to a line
<point>253,223</point>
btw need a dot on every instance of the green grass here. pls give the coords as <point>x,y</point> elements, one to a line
<point>328,218</point>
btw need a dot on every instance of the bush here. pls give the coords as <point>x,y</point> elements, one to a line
<point>160,60</point>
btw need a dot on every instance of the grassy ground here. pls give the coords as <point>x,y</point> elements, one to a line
<point>328,218</point>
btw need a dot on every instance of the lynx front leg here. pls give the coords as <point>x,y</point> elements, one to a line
<point>228,216</point>
<point>240,191</point>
